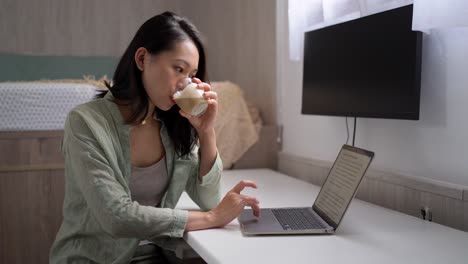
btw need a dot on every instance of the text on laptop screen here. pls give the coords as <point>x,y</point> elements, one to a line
<point>339,188</point>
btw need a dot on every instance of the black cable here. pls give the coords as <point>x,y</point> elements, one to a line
<point>354,130</point>
<point>347,130</point>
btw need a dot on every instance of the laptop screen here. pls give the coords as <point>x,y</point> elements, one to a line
<point>342,182</point>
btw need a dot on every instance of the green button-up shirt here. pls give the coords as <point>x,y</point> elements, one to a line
<point>101,223</point>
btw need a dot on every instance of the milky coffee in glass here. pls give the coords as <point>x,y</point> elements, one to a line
<point>190,99</point>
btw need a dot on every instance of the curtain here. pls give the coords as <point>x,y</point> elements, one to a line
<point>301,15</point>
<point>433,14</point>
<point>305,15</point>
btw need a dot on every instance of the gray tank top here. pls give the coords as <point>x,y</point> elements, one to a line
<point>148,185</point>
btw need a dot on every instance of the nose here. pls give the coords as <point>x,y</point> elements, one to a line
<point>182,83</point>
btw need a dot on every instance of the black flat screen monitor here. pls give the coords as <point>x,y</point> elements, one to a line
<point>367,67</point>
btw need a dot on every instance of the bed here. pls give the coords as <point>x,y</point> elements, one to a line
<point>32,115</point>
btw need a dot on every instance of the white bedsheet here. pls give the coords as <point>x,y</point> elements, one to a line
<point>28,106</point>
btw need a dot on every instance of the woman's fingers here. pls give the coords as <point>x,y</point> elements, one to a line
<point>247,200</point>
<point>206,87</point>
<point>202,85</point>
<point>242,184</point>
<point>188,116</point>
<point>233,204</point>
<point>212,102</point>
<point>256,210</point>
<point>252,202</point>
<point>210,95</point>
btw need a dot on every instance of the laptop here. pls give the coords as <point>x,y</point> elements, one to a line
<point>329,207</point>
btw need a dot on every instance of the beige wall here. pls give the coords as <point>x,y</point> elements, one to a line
<point>240,35</point>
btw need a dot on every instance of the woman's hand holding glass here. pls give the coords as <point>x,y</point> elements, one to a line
<point>205,122</point>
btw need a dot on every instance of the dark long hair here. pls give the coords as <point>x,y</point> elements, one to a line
<point>159,33</point>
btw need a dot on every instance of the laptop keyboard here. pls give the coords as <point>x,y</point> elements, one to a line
<point>297,219</point>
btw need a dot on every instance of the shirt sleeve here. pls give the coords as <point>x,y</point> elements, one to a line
<point>102,186</point>
<point>205,191</point>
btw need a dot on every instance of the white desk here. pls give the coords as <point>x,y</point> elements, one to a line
<point>367,234</point>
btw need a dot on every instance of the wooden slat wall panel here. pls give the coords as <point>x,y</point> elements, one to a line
<point>262,154</point>
<point>241,46</point>
<point>82,28</point>
<point>23,149</point>
<point>31,213</point>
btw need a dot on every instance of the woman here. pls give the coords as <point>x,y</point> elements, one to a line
<point>131,153</point>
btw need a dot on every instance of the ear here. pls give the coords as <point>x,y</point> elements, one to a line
<point>140,56</point>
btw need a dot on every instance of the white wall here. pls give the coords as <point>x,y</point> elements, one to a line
<point>434,147</point>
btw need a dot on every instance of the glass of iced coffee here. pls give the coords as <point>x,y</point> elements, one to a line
<point>190,99</point>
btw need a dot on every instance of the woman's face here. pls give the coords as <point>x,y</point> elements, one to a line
<point>162,73</point>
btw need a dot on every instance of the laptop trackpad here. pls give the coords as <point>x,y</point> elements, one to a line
<point>266,223</point>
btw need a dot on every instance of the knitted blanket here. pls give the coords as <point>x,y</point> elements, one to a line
<point>237,126</point>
